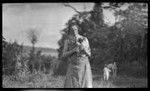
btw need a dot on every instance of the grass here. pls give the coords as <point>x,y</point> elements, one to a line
<point>40,80</point>
<point>34,81</point>
<point>121,82</point>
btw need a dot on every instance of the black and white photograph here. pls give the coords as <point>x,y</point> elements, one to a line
<point>74,45</point>
<point>49,90</point>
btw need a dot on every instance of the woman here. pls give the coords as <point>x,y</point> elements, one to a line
<point>77,50</point>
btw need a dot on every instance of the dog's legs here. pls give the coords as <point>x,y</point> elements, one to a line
<point>107,74</point>
<point>104,76</point>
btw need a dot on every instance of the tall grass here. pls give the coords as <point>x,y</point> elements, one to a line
<point>36,80</point>
<point>40,80</point>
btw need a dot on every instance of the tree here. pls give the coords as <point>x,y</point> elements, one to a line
<point>120,42</point>
<point>135,19</point>
<point>87,24</point>
<point>133,28</point>
<point>33,36</point>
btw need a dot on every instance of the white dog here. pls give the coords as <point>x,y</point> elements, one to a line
<point>113,67</point>
<point>106,72</point>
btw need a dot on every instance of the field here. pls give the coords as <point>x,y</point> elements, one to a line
<point>40,80</point>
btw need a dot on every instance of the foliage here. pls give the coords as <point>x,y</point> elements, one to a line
<point>125,41</point>
<point>41,63</point>
<point>33,36</point>
<point>17,62</point>
<point>10,54</point>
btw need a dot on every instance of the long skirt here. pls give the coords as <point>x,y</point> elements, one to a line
<point>79,73</point>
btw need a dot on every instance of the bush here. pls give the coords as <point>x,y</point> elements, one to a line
<point>11,52</point>
<point>132,69</point>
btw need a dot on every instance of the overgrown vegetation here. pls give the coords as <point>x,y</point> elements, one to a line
<point>21,68</point>
<point>124,42</point>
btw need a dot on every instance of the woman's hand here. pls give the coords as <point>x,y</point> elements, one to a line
<point>76,49</point>
<point>79,47</point>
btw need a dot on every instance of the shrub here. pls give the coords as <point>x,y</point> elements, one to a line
<point>10,54</point>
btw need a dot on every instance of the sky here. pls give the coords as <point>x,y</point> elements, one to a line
<point>46,18</point>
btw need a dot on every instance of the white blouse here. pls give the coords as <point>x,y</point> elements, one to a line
<point>84,43</point>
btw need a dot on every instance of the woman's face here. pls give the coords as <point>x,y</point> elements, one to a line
<point>74,29</point>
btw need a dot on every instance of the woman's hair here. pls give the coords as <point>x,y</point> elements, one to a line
<point>70,28</point>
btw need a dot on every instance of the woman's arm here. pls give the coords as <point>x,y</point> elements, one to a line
<point>87,47</point>
<point>66,52</point>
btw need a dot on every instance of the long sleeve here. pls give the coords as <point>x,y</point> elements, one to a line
<point>67,52</point>
<point>87,47</point>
